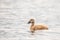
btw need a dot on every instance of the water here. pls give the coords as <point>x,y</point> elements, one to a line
<point>14,15</point>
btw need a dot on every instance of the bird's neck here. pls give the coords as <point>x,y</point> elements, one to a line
<point>32,24</point>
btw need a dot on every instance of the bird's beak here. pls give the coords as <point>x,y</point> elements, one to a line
<point>29,22</point>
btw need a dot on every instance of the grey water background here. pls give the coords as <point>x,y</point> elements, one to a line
<point>14,15</point>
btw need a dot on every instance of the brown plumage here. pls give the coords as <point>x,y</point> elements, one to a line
<point>33,27</point>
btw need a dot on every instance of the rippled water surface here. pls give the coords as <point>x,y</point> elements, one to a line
<point>14,15</point>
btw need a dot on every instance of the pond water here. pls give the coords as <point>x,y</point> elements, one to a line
<point>14,15</point>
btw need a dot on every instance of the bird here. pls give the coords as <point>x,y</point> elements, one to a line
<point>34,27</point>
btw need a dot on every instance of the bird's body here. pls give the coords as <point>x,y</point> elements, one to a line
<point>38,27</point>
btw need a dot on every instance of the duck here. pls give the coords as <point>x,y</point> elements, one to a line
<point>34,27</point>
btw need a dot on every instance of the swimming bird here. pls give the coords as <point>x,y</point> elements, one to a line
<point>34,27</point>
